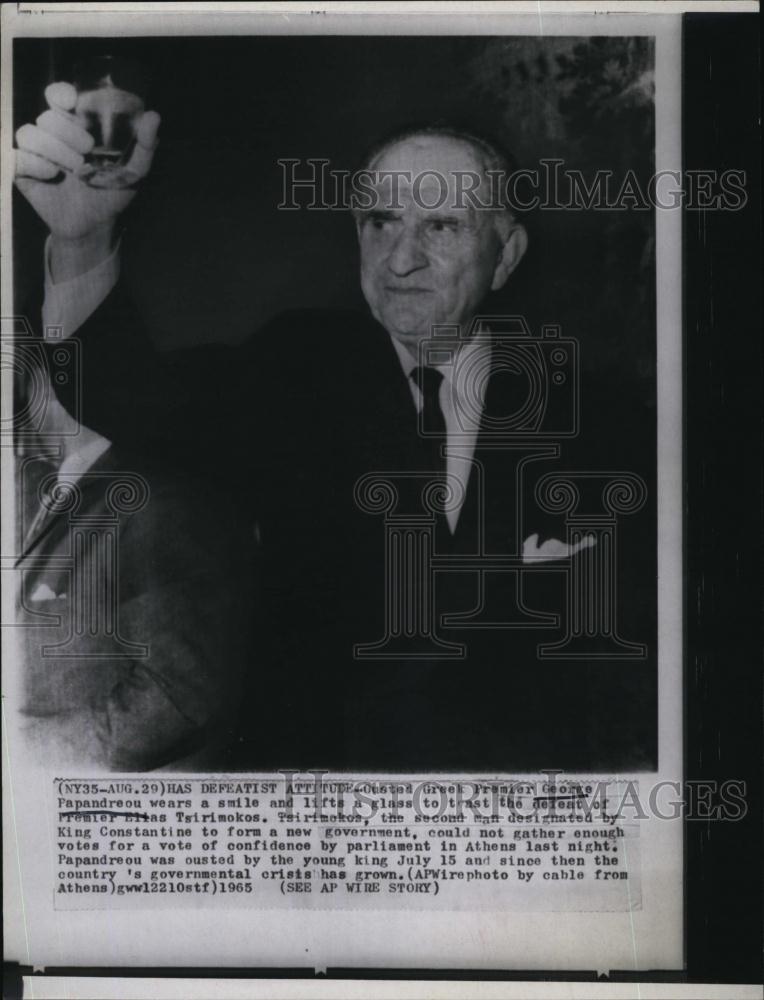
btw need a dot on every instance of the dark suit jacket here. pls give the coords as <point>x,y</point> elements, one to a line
<point>162,688</point>
<point>310,404</point>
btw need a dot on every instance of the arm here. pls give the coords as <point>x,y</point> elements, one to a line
<point>186,593</point>
<point>180,408</point>
<point>81,220</point>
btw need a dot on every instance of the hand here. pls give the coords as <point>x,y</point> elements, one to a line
<point>49,154</point>
<point>553,548</point>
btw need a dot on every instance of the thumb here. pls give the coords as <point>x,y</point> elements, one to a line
<point>146,136</point>
<point>61,96</point>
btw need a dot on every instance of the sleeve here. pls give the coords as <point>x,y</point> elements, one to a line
<point>189,597</point>
<point>191,409</point>
<point>68,304</point>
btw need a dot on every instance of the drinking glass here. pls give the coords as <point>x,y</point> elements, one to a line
<point>110,100</point>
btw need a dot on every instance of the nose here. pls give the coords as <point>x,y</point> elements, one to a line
<point>407,254</point>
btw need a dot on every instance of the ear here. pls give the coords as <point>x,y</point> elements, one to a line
<point>513,248</point>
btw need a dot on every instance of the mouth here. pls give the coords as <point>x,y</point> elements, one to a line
<point>407,290</point>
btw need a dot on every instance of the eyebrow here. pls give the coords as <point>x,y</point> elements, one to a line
<point>381,213</point>
<point>385,214</point>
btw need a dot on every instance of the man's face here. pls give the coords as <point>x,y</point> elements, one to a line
<point>422,265</point>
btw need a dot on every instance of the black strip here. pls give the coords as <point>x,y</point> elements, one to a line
<point>723,413</point>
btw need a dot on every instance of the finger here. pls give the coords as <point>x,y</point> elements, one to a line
<point>146,143</point>
<point>61,95</point>
<point>67,129</point>
<point>147,129</point>
<point>34,140</point>
<point>37,167</point>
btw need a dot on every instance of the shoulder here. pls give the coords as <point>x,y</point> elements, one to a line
<point>302,321</point>
<point>308,333</point>
<point>303,356</point>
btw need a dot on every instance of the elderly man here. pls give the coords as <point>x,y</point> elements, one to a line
<point>297,416</point>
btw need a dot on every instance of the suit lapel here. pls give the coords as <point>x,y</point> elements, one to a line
<point>46,519</point>
<point>50,524</point>
<point>391,413</point>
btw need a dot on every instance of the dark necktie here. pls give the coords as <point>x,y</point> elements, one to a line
<point>428,381</point>
<point>432,426</point>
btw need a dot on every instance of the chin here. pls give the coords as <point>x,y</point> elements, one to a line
<point>407,327</point>
<point>406,337</point>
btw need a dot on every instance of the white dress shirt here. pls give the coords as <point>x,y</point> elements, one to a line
<point>462,401</point>
<point>67,304</point>
<point>77,462</point>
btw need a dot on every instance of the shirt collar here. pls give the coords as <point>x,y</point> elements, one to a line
<point>468,348</point>
<point>76,464</point>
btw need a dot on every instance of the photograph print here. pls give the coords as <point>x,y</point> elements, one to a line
<point>335,402</point>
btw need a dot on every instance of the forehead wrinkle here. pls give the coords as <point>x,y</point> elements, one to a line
<point>419,145</point>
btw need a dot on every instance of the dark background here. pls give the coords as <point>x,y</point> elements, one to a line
<point>724,418</point>
<point>210,257</point>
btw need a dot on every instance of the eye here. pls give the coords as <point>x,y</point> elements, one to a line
<point>442,226</point>
<point>381,222</point>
